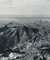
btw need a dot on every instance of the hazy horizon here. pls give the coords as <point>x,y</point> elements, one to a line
<point>24,8</point>
<point>24,19</point>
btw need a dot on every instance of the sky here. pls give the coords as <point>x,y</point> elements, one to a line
<point>25,7</point>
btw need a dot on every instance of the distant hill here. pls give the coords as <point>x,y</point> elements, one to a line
<point>24,19</point>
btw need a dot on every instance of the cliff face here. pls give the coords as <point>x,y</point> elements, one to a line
<point>13,34</point>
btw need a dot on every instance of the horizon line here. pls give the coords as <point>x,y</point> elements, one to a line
<point>24,15</point>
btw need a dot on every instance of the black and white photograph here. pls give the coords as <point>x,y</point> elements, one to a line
<point>24,29</point>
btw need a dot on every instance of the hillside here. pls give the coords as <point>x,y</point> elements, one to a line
<point>31,38</point>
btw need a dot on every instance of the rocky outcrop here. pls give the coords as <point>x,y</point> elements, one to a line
<point>12,36</point>
<point>19,35</point>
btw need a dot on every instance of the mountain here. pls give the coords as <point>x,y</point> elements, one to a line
<point>25,36</point>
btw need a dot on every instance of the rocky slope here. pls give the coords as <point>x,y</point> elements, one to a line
<point>28,37</point>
